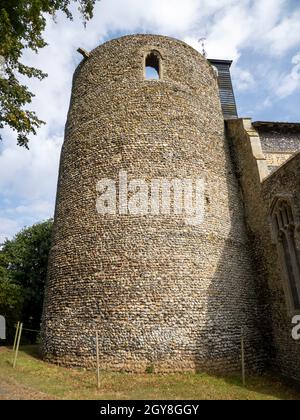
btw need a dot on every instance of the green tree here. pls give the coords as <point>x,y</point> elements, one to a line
<point>11,302</point>
<point>23,270</point>
<point>22,23</point>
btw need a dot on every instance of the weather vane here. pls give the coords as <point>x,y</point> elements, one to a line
<point>202,40</point>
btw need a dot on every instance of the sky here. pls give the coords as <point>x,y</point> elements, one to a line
<point>262,37</point>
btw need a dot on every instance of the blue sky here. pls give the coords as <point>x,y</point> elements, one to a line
<point>262,37</point>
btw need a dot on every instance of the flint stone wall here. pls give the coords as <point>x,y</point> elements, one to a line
<point>159,291</point>
<point>285,182</point>
<point>279,143</point>
<point>259,190</point>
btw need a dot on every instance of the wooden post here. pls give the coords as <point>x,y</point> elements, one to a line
<point>17,346</point>
<point>16,335</point>
<point>97,355</point>
<point>243,356</point>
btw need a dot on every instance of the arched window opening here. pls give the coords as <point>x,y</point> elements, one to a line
<point>152,66</point>
<point>284,229</point>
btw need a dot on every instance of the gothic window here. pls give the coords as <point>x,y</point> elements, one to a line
<point>284,230</point>
<point>153,66</point>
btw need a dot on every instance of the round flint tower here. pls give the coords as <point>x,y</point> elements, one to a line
<point>160,291</point>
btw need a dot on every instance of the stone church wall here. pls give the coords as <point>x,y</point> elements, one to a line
<point>160,291</point>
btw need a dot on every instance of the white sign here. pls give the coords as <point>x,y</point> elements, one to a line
<point>2,328</point>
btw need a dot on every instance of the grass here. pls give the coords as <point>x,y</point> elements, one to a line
<point>34,375</point>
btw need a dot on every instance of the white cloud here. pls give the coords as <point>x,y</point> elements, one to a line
<point>9,226</point>
<point>260,25</point>
<point>29,174</point>
<point>15,218</point>
<point>285,35</point>
<point>243,79</point>
<point>290,83</point>
<point>28,182</point>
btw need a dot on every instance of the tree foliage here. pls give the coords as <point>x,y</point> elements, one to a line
<point>23,270</point>
<point>11,302</point>
<point>22,23</point>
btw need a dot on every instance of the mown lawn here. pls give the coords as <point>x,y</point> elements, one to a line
<point>33,376</point>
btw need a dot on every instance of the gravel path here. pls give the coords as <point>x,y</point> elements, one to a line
<point>10,390</point>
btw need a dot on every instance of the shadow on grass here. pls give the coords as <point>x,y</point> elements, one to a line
<point>267,385</point>
<point>32,350</point>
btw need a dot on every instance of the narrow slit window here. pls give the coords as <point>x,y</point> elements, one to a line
<point>152,66</point>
